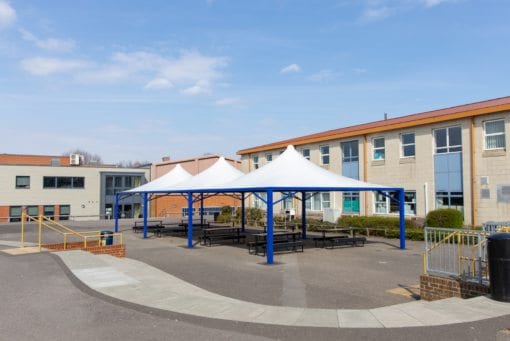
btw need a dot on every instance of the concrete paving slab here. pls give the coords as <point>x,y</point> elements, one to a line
<point>391,317</point>
<point>286,316</point>
<point>23,250</point>
<point>102,277</point>
<point>318,318</point>
<point>242,312</point>
<point>419,311</point>
<point>454,307</point>
<point>357,318</point>
<point>487,306</point>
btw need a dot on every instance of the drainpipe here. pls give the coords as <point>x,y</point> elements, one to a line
<point>365,171</point>
<point>474,210</point>
<point>426,197</point>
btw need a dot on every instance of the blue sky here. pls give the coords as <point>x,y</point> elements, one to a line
<point>138,80</point>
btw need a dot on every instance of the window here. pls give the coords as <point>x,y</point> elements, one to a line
<point>255,162</point>
<point>450,200</point>
<point>288,203</point>
<point>49,211</point>
<point>385,205</point>
<point>65,211</point>
<point>63,182</point>
<point>494,134</point>
<point>324,155</point>
<point>269,157</point>
<point>33,211</point>
<point>306,153</point>
<point>22,181</point>
<point>350,151</point>
<point>14,214</point>
<point>258,202</point>
<point>350,202</point>
<point>318,201</point>
<point>448,140</point>
<point>408,145</point>
<point>379,152</point>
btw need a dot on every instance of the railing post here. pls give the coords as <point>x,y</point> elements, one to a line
<point>22,244</point>
<point>40,231</point>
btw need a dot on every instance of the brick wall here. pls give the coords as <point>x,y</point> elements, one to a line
<point>117,250</point>
<point>435,288</point>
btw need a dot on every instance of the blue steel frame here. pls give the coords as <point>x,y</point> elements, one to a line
<point>269,201</point>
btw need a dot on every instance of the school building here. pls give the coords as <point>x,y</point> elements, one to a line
<point>62,187</point>
<point>448,158</point>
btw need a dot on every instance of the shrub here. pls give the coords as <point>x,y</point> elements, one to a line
<point>445,217</point>
<point>374,222</point>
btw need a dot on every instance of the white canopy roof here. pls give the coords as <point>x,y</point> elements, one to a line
<point>165,182</point>
<point>215,176</point>
<point>292,171</point>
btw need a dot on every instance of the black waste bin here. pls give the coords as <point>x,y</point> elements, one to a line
<point>498,248</point>
<point>106,238</point>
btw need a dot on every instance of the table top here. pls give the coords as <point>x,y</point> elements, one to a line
<point>289,233</point>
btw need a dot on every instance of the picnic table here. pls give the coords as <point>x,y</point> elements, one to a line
<point>281,241</point>
<point>348,237</point>
<point>152,226</point>
<point>211,234</point>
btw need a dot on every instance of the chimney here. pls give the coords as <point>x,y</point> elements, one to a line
<point>165,158</point>
<point>385,116</point>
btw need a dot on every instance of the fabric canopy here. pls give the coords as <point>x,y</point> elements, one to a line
<point>291,171</point>
<point>165,182</point>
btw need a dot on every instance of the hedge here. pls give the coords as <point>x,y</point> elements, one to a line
<point>445,217</point>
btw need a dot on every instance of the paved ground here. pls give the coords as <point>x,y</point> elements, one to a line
<point>89,314</point>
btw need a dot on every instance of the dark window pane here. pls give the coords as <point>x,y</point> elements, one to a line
<point>64,182</point>
<point>455,136</point>
<point>79,182</point>
<point>407,138</point>
<point>128,182</point>
<point>22,181</point>
<point>409,150</point>
<point>440,136</point>
<point>109,182</point>
<point>33,211</point>
<point>379,142</point>
<point>118,181</point>
<point>49,182</point>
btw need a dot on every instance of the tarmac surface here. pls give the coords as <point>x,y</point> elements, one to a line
<point>46,300</point>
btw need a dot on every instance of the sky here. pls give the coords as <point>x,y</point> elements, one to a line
<point>139,80</point>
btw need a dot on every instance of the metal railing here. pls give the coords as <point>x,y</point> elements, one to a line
<point>65,231</point>
<point>496,226</point>
<point>456,253</point>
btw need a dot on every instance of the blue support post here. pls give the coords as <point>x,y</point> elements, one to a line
<point>242,211</point>
<point>202,209</point>
<point>116,212</point>
<point>145,204</point>
<point>190,220</point>
<point>303,214</point>
<point>401,207</point>
<point>269,236</point>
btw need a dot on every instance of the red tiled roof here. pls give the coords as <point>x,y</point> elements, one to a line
<point>460,111</point>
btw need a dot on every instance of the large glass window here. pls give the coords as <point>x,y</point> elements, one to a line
<point>350,151</point>
<point>385,205</point>
<point>407,142</point>
<point>14,214</point>
<point>494,134</point>
<point>22,181</point>
<point>63,182</point>
<point>448,140</point>
<point>318,201</point>
<point>379,150</point>
<point>306,153</point>
<point>450,200</point>
<point>288,203</point>
<point>324,154</point>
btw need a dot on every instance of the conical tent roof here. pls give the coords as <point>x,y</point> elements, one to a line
<point>292,171</point>
<point>165,182</point>
<point>219,173</point>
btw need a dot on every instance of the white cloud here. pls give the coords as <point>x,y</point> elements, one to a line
<point>50,44</point>
<point>158,84</point>
<point>374,14</point>
<point>193,72</point>
<point>227,101</point>
<point>48,66</point>
<point>201,87</point>
<point>7,14</point>
<point>323,75</point>
<point>432,3</point>
<point>292,68</point>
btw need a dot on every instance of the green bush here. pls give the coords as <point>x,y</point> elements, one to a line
<point>374,222</point>
<point>445,217</point>
<point>254,214</point>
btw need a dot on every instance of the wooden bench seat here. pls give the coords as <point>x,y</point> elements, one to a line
<point>323,240</point>
<point>356,241</point>
<point>284,246</point>
<point>222,236</point>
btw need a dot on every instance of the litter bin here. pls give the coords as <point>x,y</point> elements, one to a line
<point>106,238</point>
<point>498,247</point>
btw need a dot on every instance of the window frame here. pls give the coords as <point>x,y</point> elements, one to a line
<point>255,160</point>
<point>269,157</point>
<point>351,157</point>
<point>19,177</point>
<point>307,152</point>
<point>378,149</point>
<point>448,148</point>
<point>324,156</point>
<point>485,135</point>
<point>389,209</point>
<point>403,146</point>
<point>317,200</point>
